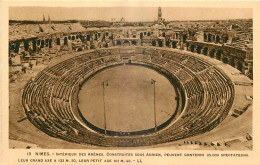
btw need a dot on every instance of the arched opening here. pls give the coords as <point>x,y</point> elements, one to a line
<point>118,43</point>
<point>88,37</point>
<point>205,37</point>
<point>160,43</point>
<point>226,39</point>
<point>205,51</point>
<point>65,41</point>
<point>73,38</point>
<point>34,45</point>
<point>163,34</point>
<point>217,39</point>
<point>167,43</point>
<point>17,45</point>
<point>134,42</point>
<point>192,47</point>
<point>69,37</point>
<point>144,33</point>
<point>184,38</point>
<point>218,54</point>
<point>174,44</point>
<point>232,62</point>
<point>96,36</point>
<point>141,35</point>
<point>26,45</point>
<point>225,60</point>
<point>209,38</point>
<point>58,41</point>
<point>187,44</point>
<point>239,66</point>
<point>177,35</point>
<point>148,34</point>
<point>199,49</point>
<point>42,43</point>
<point>126,43</point>
<point>50,43</point>
<point>79,49</point>
<point>153,43</point>
<point>213,38</point>
<point>106,33</point>
<point>47,43</point>
<point>212,53</point>
<point>38,42</point>
<point>77,37</point>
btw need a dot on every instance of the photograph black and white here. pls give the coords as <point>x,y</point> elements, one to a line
<point>163,78</point>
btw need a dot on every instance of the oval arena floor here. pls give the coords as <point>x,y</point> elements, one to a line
<point>24,131</point>
<point>129,99</point>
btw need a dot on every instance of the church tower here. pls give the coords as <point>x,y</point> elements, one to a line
<point>159,13</point>
<point>49,19</point>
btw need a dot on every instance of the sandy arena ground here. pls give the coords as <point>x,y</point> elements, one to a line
<point>129,99</point>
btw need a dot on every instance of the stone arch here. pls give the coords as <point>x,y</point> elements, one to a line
<point>217,39</point>
<point>225,60</point>
<point>141,35</point>
<point>160,43</point>
<point>118,42</point>
<point>205,51</point>
<point>192,48</point>
<point>167,43</point>
<point>209,37</point>
<point>65,41</point>
<point>34,45</point>
<point>88,37</point>
<point>126,43</point>
<point>212,53</point>
<point>199,49</point>
<point>17,45</point>
<point>232,62</point>
<point>226,39</point>
<point>174,43</point>
<point>50,43</point>
<point>213,38</point>
<point>187,44</point>
<point>153,43</point>
<point>163,34</point>
<point>26,45</point>
<point>218,54</point>
<point>205,37</point>
<point>42,43</point>
<point>184,37</point>
<point>239,66</point>
<point>58,41</point>
<point>47,43</point>
<point>134,42</point>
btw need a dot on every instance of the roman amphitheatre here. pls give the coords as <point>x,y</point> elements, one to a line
<point>119,84</point>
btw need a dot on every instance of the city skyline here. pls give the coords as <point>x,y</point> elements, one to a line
<point>131,14</point>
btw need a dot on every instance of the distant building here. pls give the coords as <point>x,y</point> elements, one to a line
<point>121,22</point>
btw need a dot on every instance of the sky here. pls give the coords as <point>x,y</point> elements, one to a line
<point>129,13</point>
